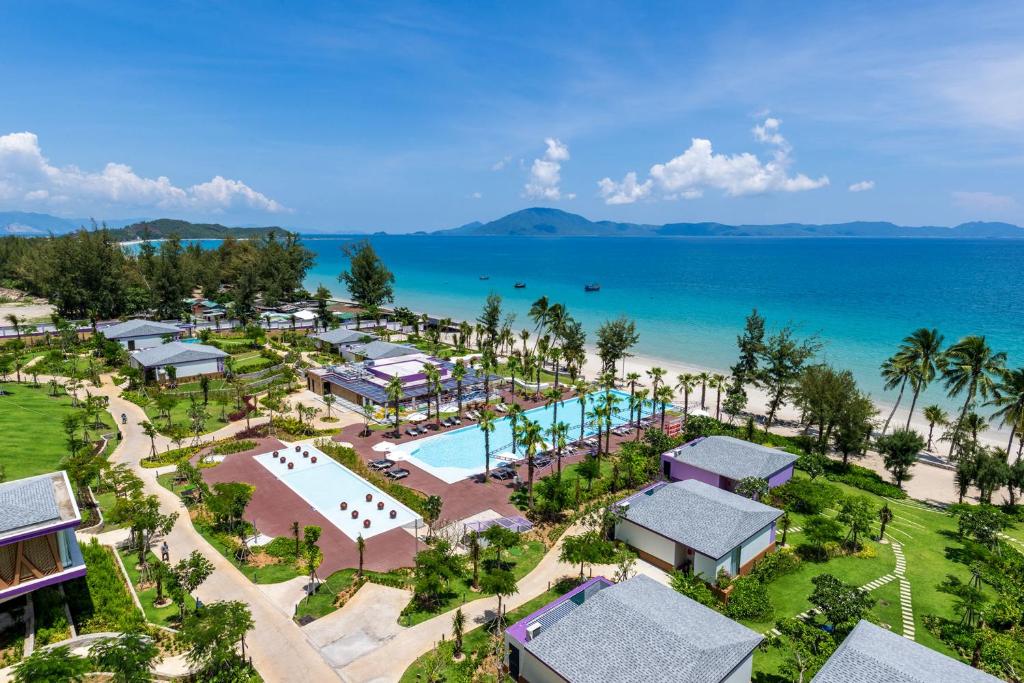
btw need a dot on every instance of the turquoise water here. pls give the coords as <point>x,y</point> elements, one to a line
<point>464,448</point>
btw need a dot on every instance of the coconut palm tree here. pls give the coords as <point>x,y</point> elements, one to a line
<point>642,396</point>
<point>970,367</point>
<point>704,378</point>
<point>1008,398</point>
<point>395,393</point>
<point>631,379</point>
<point>922,349</point>
<point>533,441</point>
<point>686,383</point>
<point>582,389</point>
<point>896,372</point>
<point>459,374</point>
<point>935,416</point>
<point>524,335</point>
<point>609,403</point>
<point>718,383</point>
<point>555,356</point>
<point>15,322</point>
<point>539,315</point>
<point>513,366</point>
<point>515,414</point>
<point>664,396</point>
<point>487,424</point>
<point>559,434</point>
<point>655,374</point>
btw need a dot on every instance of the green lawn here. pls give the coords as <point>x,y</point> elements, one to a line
<point>32,438</point>
<point>321,603</point>
<point>164,616</point>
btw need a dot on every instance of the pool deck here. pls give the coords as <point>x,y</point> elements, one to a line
<point>274,507</point>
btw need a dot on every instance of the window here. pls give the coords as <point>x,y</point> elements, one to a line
<point>736,555</point>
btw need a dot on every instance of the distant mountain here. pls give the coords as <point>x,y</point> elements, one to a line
<point>27,223</point>
<point>166,227</point>
<point>543,222</point>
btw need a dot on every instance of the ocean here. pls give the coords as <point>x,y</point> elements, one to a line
<point>689,296</point>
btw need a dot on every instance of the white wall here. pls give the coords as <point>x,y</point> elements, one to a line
<point>647,541</point>
<point>143,342</point>
<point>743,672</point>
<point>197,367</point>
<point>530,668</point>
<point>756,544</point>
<point>708,567</point>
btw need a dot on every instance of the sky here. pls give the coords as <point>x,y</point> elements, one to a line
<point>418,116</point>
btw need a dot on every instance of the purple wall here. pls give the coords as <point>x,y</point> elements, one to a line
<point>781,477</point>
<point>681,471</point>
<point>517,631</point>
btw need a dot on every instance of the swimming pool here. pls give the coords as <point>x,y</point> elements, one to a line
<point>326,485</point>
<point>459,453</point>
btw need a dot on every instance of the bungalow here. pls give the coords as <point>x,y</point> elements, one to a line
<point>189,360</point>
<point>692,526</point>
<point>38,516</point>
<point>871,654</point>
<point>204,309</point>
<point>637,631</point>
<point>378,350</point>
<point>141,334</point>
<point>340,339</point>
<point>723,461</point>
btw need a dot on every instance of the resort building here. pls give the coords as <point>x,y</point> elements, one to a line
<point>188,360</point>
<point>204,309</point>
<point>723,461</point>
<point>340,340</point>
<point>367,382</point>
<point>38,516</point>
<point>871,654</point>
<point>695,527</point>
<point>378,350</point>
<point>141,334</point>
<point>637,631</point>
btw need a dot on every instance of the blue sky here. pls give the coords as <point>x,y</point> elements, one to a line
<point>417,116</point>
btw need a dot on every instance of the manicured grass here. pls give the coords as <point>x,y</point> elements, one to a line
<point>106,502</point>
<point>32,437</point>
<point>476,645</point>
<point>163,616</point>
<point>322,602</point>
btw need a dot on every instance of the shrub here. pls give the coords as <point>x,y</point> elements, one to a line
<point>770,567</point>
<point>170,457</point>
<point>724,579</point>
<point>805,496</point>
<point>100,601</point>
<point>693,587</point>
<point>749,600</point>
<point>234,447</point>
<point>294,426</point>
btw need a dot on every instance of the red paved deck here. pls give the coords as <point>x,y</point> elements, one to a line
<point>274,507</point>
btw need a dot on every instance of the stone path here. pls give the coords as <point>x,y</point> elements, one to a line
<point>906,605</point>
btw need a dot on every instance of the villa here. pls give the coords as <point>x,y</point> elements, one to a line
<point>341,340</point>
<point>378,350</point>
<point>367,382</point>
<point>188,360</point>
<point>141,334</point>
<point>723,461</point>
<point>38,516</point>
<point>635,631</point>
<point>204,309</point>
<point>693,526</point>
<point>871,654</point>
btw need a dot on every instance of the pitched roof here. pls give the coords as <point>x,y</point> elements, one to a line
<point>35,503</point>
<point>642,631</point>
<point>173,353</point>
<point>139,328</point>
<point>871,654</point>
<point>377,350</point>
<point>342,336</point>
<point>732,458</point>
<point>703,517</point>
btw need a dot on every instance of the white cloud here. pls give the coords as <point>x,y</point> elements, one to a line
<point>699,168</point>
<point>476,195</point>
<point>625,192</point>
<point>28,179</point>
<point>545,173</point>
<point>984,201</point>
<point>862,186</point>
<point>501,163</point>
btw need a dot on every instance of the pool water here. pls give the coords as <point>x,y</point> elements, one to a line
<point>326,483</point>
<point>459,453</point>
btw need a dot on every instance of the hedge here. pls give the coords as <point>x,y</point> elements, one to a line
<point>348,457</point>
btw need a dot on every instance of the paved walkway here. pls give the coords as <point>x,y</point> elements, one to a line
<point>277,645</point>
<point>906,604</point>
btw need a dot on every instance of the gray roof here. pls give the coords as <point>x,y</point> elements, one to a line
<point>642,631</point>
<point>708,519</point>
<point>377,350</point>
<point>173,353</point>
<point>35,502</point>
<point>342,336</point>
<point>871,654</point>
<point>139,328</point>
<point>732,458</point>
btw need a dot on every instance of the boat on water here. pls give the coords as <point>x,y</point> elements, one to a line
<point>485,277</point>
<point>592,287</point>
<point>520,285</point>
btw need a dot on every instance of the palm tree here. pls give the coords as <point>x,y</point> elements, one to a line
<point>968,367</point>
<point>582,389</point>
<point>459,374</point>
<point>361,547</point>
<point>513,366</point>
<point>935,416</point>
<point>703,378</point>
<point>433,386</point>
<point>515,413</point>
<point>395,393</point>
<point>655,374</point>
<point>552,397</point>
<point>539,315</point>
<point>609,407</point>
<point>685,383</point>
<point>533,440</point>
<point>487,424</point>
<point>922,350</point>
<point>15,322</point>
<point>524,335</point>
<point>1008,397</point>
<point>896,372</point>
<point>632,378</point>
<point>664,396</point>
<point>642,396</point>
<point>718,383</point>
<point>559,434</point>
<point>555,356</point>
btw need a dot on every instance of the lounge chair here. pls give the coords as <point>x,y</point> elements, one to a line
<point>473,415</point>
<point>381,464</point>
<point>503,473</point>
<point>397,473</point>
<point>501,407</point>
<point>448,422</point>
<point>542,461</point>
<point>457,420</point>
